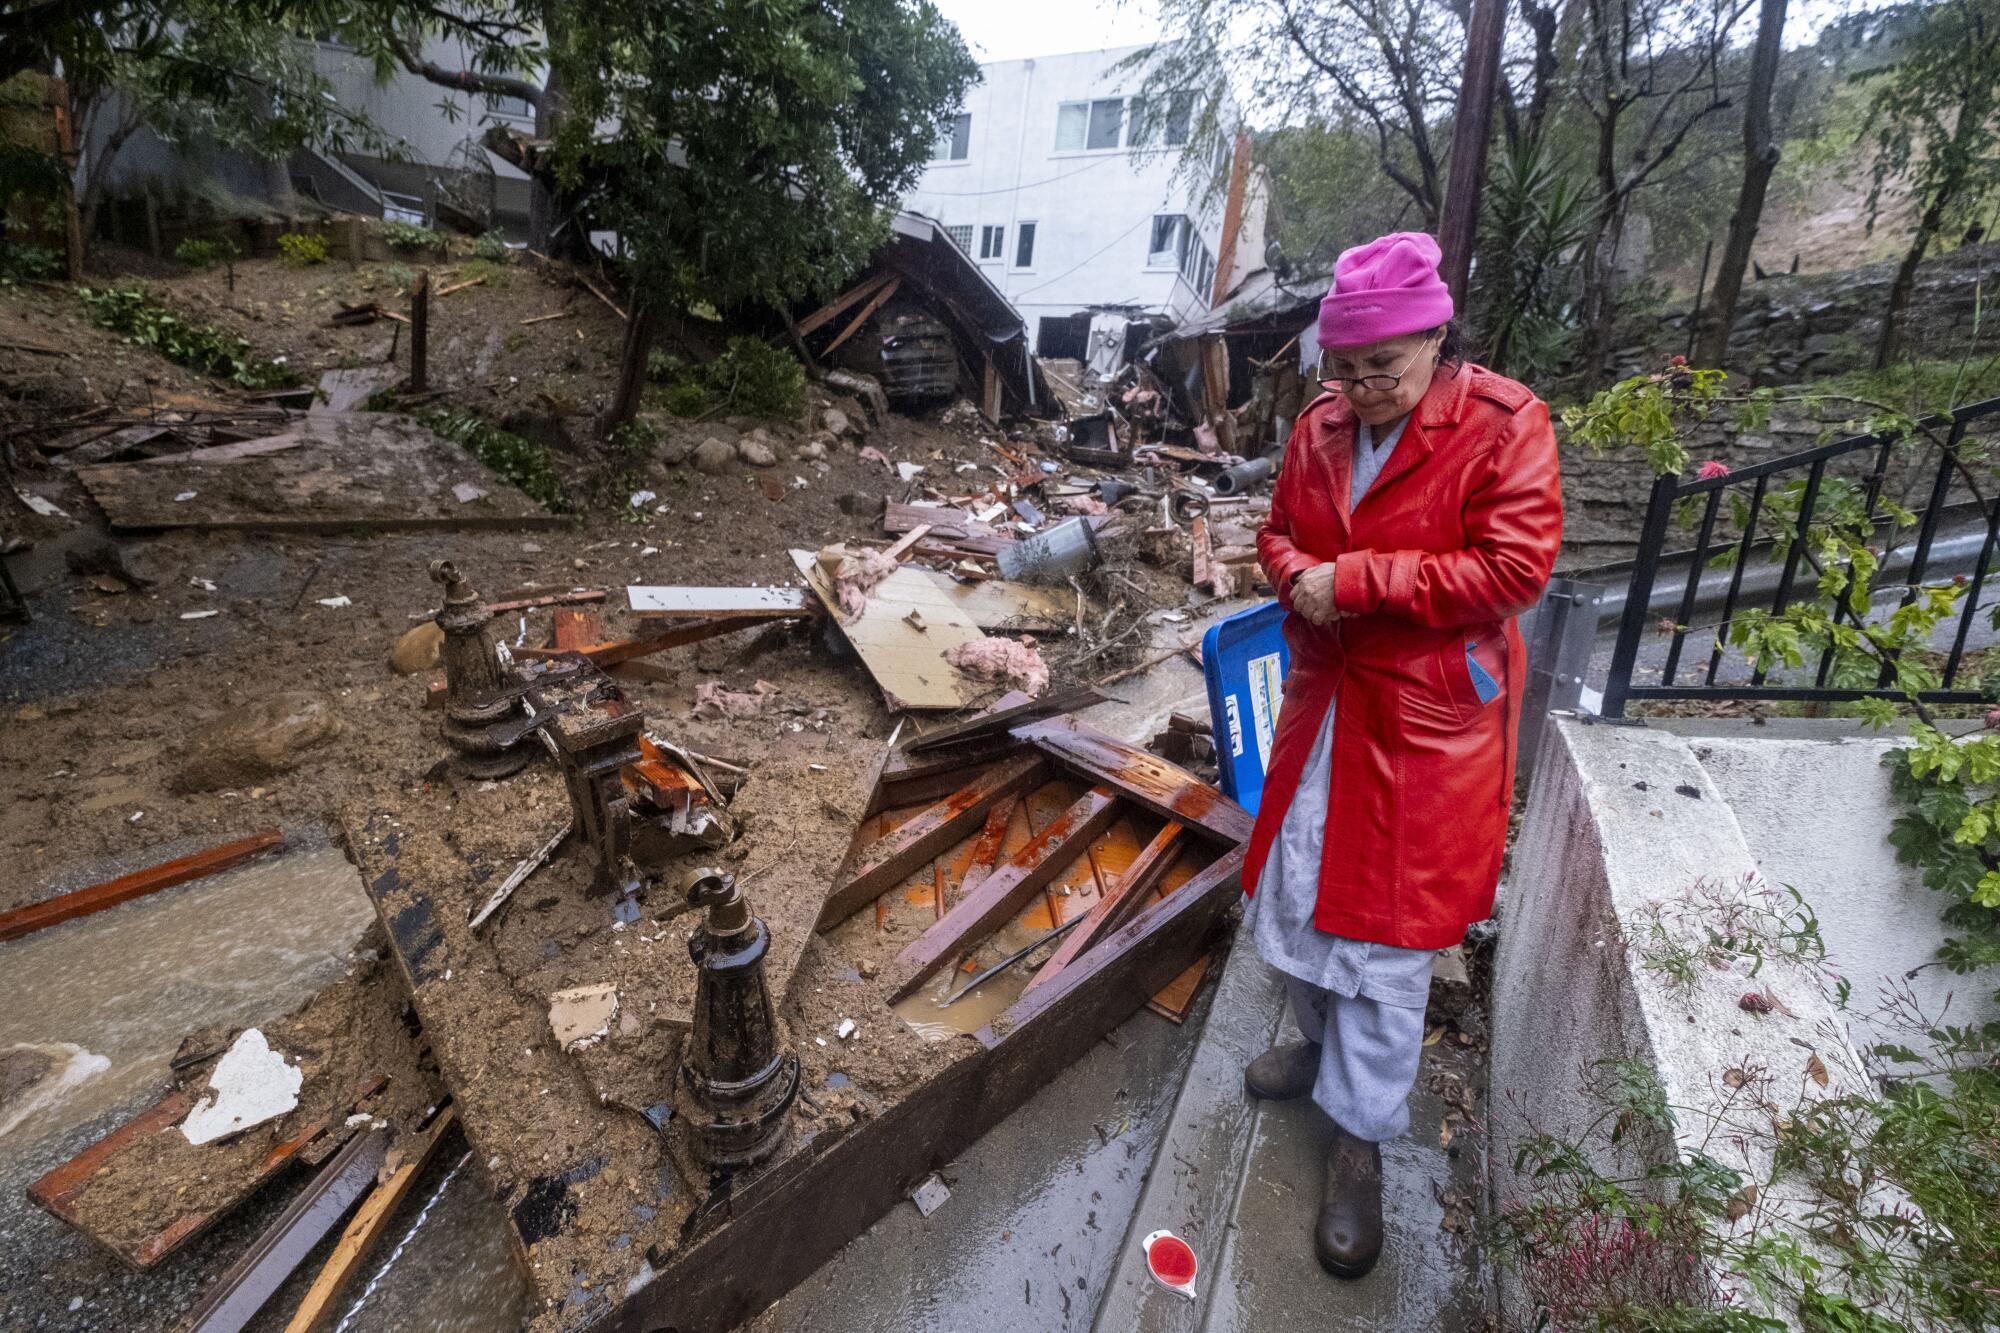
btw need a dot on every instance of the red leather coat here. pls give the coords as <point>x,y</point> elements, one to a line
<point>1455,539</point>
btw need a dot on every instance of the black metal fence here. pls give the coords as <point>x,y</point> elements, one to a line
<point>1776,487</point>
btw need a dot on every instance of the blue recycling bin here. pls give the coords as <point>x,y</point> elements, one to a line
<point>1244,660</point>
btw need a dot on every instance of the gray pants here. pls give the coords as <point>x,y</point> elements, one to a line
<point>1369,1052</point>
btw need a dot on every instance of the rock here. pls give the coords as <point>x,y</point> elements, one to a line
<point>675,450</point>
<point>417,650</point>
<point>836,422</point>
<point>713,456</point>
<point>756,452</point>
<point>262,741</point>
<point>810,452</point>
<point>581,1016</point>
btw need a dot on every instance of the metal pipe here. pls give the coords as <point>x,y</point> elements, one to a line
<point>1238,479</point>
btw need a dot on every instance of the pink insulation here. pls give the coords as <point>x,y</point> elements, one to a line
<point>712,697</point>
<point>1014,663</point>
<point>858,574</point>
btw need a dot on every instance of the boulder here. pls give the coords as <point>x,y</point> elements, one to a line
<point>675,450</point>
<point>417,650</point>
<point>810,452</point>
<point>713,456</point>
<point>262,741</point>
<point>756,452</point>
<point>836,422</point>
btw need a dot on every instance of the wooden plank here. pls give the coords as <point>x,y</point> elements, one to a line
<point>83,902</point>
<point>578,628</point>
<point>357,470</point>
<point>985,855</point>
<point>552,599</point>
<point>897,549</point>
<point>998,721</point>
<point>778,603</point>
<point>906,659</point>
<point>1006,890</point>
<point>1172,1000</point>
<point>1146,779</point>
<point>365,1229</point>
<point>832,309</point>
<point>989,397</point>
<point>1206,898</point>
<point>65,1190</point>
<point>624,650</point>
<point>948,525</point>
<point>895,858</point>
<point>1118,906</point>
<point>995,604</point>
<point>876,302</point>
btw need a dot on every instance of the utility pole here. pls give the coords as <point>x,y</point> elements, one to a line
<point>1458,227</point>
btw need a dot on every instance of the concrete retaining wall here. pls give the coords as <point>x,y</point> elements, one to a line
<point>1623,823</point>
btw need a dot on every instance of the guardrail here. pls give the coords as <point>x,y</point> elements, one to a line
<point>1800,478</point>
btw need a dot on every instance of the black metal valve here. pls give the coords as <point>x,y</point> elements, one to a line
<point>736,1087</point>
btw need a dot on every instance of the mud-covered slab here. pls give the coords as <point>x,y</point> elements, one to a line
<point>326,472</point>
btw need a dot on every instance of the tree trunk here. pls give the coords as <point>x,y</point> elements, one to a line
<point>1472,131</point>
<point>624,405</point>
<point>1891,340</point>
<point>546,208</point>
<point>1760,159</point>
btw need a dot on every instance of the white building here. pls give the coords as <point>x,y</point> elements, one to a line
<point>1043,180</point>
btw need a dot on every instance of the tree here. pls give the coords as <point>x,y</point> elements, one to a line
<point>1388,68</point>
<point>760,144</point>
<point>1934,122</point>
<point>228,73</point>
<point>1649,74</point>
<point>1760,159</point>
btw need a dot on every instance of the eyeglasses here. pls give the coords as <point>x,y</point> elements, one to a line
<point>1381,383</point>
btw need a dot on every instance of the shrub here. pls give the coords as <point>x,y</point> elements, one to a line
<point>199,252</point>
<point>29,263</point>
<point>200,347</point>
<point>409,237</point>
<point>302,248</point>
<point>517,458</point>
<point>491,247</point>
<point>751,377</point>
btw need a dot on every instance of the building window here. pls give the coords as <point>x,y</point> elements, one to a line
<point>1172,130</point>
<point>519,108</point>
<point>1168,248</point>
<point>1095,126</point>
<point>954,140</point>
<point>960,237</point>
<point>1024,245</point>
<point>992,242</point>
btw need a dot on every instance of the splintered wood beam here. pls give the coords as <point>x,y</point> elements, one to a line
<point>1145,779</point>
<point>624,650</point>
<point>896,857</point>
<point>879,300</point>
<point>986,851</point>
<point>831,310</point>
<point>1007,890</point>
<point>1118,906</point>
<point>578,628</point>
<point>318,1308</point>
<point>68,906</point>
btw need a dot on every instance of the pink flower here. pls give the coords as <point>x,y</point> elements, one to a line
<point>1711,470</point>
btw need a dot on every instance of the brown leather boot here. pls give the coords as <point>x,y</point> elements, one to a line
<point>1348,1235</point>
<point>1283,1072</point>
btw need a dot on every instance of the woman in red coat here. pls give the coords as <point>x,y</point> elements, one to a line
<point>1417,514</point>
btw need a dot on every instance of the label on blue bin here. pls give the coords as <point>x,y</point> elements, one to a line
<point>1267,696</point>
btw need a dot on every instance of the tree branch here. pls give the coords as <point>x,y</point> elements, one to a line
<point>464,80</point>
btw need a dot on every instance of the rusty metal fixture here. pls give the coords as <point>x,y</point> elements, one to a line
<point>478,705</point>
<point>593,745</point>
<point>736,1087</point>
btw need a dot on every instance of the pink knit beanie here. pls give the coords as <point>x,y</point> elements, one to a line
<point>1384,289</point>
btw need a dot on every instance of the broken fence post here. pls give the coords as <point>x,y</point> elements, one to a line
<point>420,328</point>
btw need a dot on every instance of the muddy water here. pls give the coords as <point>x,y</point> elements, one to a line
<point>446,1268</point>
<point>114,993</point>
